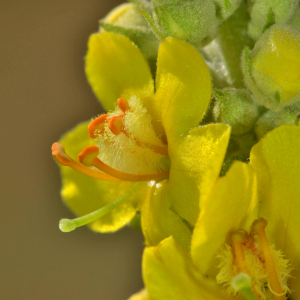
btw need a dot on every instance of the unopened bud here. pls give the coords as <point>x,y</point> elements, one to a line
<point>271,119</point>
<point>272,69</point>
<point>283,11</point>
<point>126,19</point>
<point>194,21</point>
<point>227,7</point>
<point>295,20</point>
<point>237,108</point>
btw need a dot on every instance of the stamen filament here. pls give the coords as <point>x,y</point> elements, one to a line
<point>154,148</point>
<point>88,157</point>
<point>258,228</point>
<point>59,153</point>
<point>67,225</point>
<point>238,239</point>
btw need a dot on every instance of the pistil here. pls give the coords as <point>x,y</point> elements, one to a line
<point>67,225</point>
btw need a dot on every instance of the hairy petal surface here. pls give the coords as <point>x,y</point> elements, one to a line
<point>183,89</point>
<point>159,220</point>
<point>189,162</point>
<point>230,206</point>
<point>163,279</point>
<point>116,68</point>
<point>276,161</point>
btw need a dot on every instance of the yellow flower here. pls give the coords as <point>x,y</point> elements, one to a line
<point>149,136</point>
<point>272,69</point>
<point>232,227</point>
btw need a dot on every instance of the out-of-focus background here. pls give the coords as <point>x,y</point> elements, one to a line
<point>43,93</point>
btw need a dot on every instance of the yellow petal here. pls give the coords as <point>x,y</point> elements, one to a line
<point>141,295</point>
<point>229,206</point>
<point>83,194</point>
<point>169,274</point>
<point>159,221</point>
<point>276,161</point>
<point>190,160</point>
<point>116,68</point>
<point>183,88</point>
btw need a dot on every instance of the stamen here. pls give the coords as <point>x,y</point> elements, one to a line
<point>239,239</point>
<point>116,124</point>
<point>88,157</point>
<point>67,225</point>
<point>97,126</point>
<point>59,153</point>
<point>242,283</point>
<point>123,104</point>
<point>258,228</point>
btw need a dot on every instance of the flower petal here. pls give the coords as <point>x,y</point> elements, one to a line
<point>169,274</point>
<point>190,160</point>
<point>116,68</point>
<point>83,194</point>
<point>276,161</point>
<point>183,88</point>
<point>230,206</point>
<point>159,221</point>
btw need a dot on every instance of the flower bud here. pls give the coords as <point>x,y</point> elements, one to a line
<point>290,115</point>
<point>126,19</point>
<point>236,108</point>
<point>226,7</point>
<point>283,11</point>
<point>295,20</point>
<point>194,21</point>
<point>272,69</point>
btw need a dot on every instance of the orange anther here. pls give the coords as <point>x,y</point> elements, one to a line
<point>59,153</point>
<point>97,126</point>
<point>88,154</point>
<point>116,124</point>
<point>123,104</point>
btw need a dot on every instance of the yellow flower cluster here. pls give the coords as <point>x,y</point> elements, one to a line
<point>204,222</point>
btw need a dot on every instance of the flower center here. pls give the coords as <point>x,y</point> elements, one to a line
<point>127,140</point>
<point>252,254</point>
<point>127,147</point>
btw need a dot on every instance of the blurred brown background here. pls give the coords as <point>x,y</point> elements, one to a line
<point>43,94</point>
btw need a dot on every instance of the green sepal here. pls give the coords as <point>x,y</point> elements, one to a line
<point>143,4</point>
<point>270,20</point>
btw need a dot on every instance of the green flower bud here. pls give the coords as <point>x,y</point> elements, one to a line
<point>272,69</point>
<point>226,7</point>
<point>194,21</point>
<point>127,20</point>
<point>222,53</point>
<point>237,108</point>
<point>295,20</point>
<point>283,10</point>
<point>271,119</point>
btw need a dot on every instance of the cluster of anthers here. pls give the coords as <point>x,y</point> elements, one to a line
<point>251,254</point>
<point>126,147</point>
